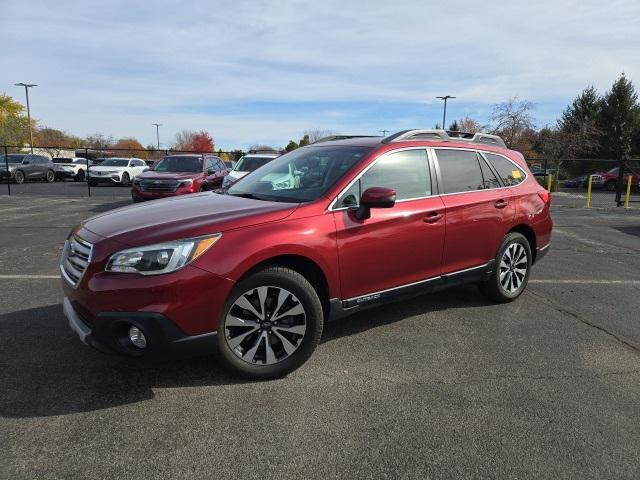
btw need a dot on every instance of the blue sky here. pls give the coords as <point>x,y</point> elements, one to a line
<point>264,71</point>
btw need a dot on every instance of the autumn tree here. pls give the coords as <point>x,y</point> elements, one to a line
<point>130,147</point>
<point>469,125</point>
<point>14,126</point>
<point>55,141</point>
<point>98,141</point>
<point>202,142</point>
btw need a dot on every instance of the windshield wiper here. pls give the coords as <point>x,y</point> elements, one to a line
<point>246,195</point>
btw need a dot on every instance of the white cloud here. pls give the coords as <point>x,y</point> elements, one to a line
<point>100,64</point>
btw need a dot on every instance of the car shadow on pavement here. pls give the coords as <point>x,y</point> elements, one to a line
<point>46,371</point>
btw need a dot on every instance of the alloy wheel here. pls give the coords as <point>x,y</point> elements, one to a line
<point>265,325</point>
<point>513,268</point>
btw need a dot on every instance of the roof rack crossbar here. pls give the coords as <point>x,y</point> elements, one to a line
<point>444,135</point>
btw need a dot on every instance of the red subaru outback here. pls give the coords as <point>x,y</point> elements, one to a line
<point>316,234</point>
<point>179,174</point>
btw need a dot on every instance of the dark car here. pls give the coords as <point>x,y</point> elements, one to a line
<point>179,175</point>
<point>27,166</point>
<point>577,182</point>
<point>316,234</point>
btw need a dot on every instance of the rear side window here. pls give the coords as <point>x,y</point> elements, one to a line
<point>489,178</point>
<point>508,171</point>
<point>407,172</point>
<point>460,171</point>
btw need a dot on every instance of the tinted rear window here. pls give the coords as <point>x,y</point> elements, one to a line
<point>460,171</point>
<point>508,171</point>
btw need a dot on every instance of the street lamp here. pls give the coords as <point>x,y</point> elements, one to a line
<point>444,114</point>
<point>27,86</point>
<point>384,132</point>
<point>158,125</point>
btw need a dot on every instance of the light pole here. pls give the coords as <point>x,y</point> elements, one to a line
<point>444,114</point>
<point>158,125</point>
<point>384,132</point>
<point>27,86</point>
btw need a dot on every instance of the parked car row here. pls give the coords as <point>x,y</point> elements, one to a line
<point>607,180</point>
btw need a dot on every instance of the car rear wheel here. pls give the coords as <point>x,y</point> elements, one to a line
<point>50,176</point>
<point>18,177</point>
<point>79,176</point>
<point>511,271</point>
<point>271,324</point>
<point>124,181</point>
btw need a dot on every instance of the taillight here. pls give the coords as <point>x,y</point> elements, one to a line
<point>545,196</point>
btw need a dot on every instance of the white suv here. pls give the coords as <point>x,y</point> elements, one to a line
<point>117,170</point>
<point>247,164</point>
<point>66,167</point>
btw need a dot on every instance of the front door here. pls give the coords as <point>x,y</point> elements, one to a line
<point>395,246</point>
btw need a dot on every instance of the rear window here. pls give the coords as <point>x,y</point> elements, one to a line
<point>460,171</point>
<point>249,164</point>
<point>62,160</point>
<point>507,170</point>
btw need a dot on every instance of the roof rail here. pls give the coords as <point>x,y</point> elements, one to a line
<point>444,135</point>
<point>340,137</point>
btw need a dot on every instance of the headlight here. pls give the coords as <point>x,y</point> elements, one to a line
<point>186,183</point>
<point>162,257</point>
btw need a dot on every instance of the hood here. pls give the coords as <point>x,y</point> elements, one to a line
<point>183,217</point>
<point>151,175</point>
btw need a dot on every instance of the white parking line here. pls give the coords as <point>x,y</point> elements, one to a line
<point>590,282</point>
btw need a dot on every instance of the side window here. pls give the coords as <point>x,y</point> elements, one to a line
<point>407,172</point>
<point>489,178</point>
<point>208,164</point>
<point>508,171</point>
<point>221,165</point>
<point>460,171</point>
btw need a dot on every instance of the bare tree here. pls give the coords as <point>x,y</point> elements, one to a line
<point>184,140</point>
<point>469,125</point>
<point>512,120</point>
<point>316,134</point>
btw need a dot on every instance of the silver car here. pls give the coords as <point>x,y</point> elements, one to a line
<point>20,167</point>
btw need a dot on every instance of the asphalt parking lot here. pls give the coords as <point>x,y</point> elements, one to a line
<point>443,386</point>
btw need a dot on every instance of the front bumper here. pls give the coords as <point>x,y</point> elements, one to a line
<point>115,178</point>
<point>4,174</point>
<point>109,334</point>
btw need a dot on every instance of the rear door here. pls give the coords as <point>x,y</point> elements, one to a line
<point>396,246</point>
<point>479,210</point>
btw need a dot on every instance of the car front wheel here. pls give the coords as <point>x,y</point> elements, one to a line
<point>50,176</point>
<point>79,176</point>
<point>18,177</point>
<point>271,324</point>
<point>124,181</point>
<point>511,271</point>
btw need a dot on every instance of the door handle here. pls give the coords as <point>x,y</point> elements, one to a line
<point>433,217</point>
<point>501,203</point>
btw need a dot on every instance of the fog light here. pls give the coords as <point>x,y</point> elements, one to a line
<point>137,337</point>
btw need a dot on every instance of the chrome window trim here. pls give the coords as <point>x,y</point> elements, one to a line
<point>430,279</point>
<point>376,160</point>
<point>488,162</point>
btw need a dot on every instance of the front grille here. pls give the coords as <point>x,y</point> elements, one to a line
<point>76,255</point>
<point>158,185</point>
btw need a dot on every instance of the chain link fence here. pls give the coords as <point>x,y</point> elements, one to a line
<point>590,183</point>
<point>67,172</point>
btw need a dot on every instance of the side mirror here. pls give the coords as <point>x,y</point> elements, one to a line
<point>26,162</point>
<point>375,197</point>
<point>210,171</point>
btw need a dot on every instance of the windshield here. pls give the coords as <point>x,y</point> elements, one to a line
<point>115,162</point>
<point>179,164</point>
<point>12,158</point>
<point>300,176</point>
<point>249,164</point>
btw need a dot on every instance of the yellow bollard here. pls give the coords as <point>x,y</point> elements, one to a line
<point>549,182</point>
<point>589,191</point>
<point>626,198</point>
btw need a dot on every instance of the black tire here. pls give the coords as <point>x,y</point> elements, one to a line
<point>124,180</point>
<point>79,176</point>
<point>494,288</point>
<point>18,177</point>
<point>274,277</point>
<point>611,186</point>
<point>50,176</point>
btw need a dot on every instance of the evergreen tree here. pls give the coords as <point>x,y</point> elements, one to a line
<point>619,119</point>
<point>454,127</point>
<point>304,141</point>
<point>291,146</point>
